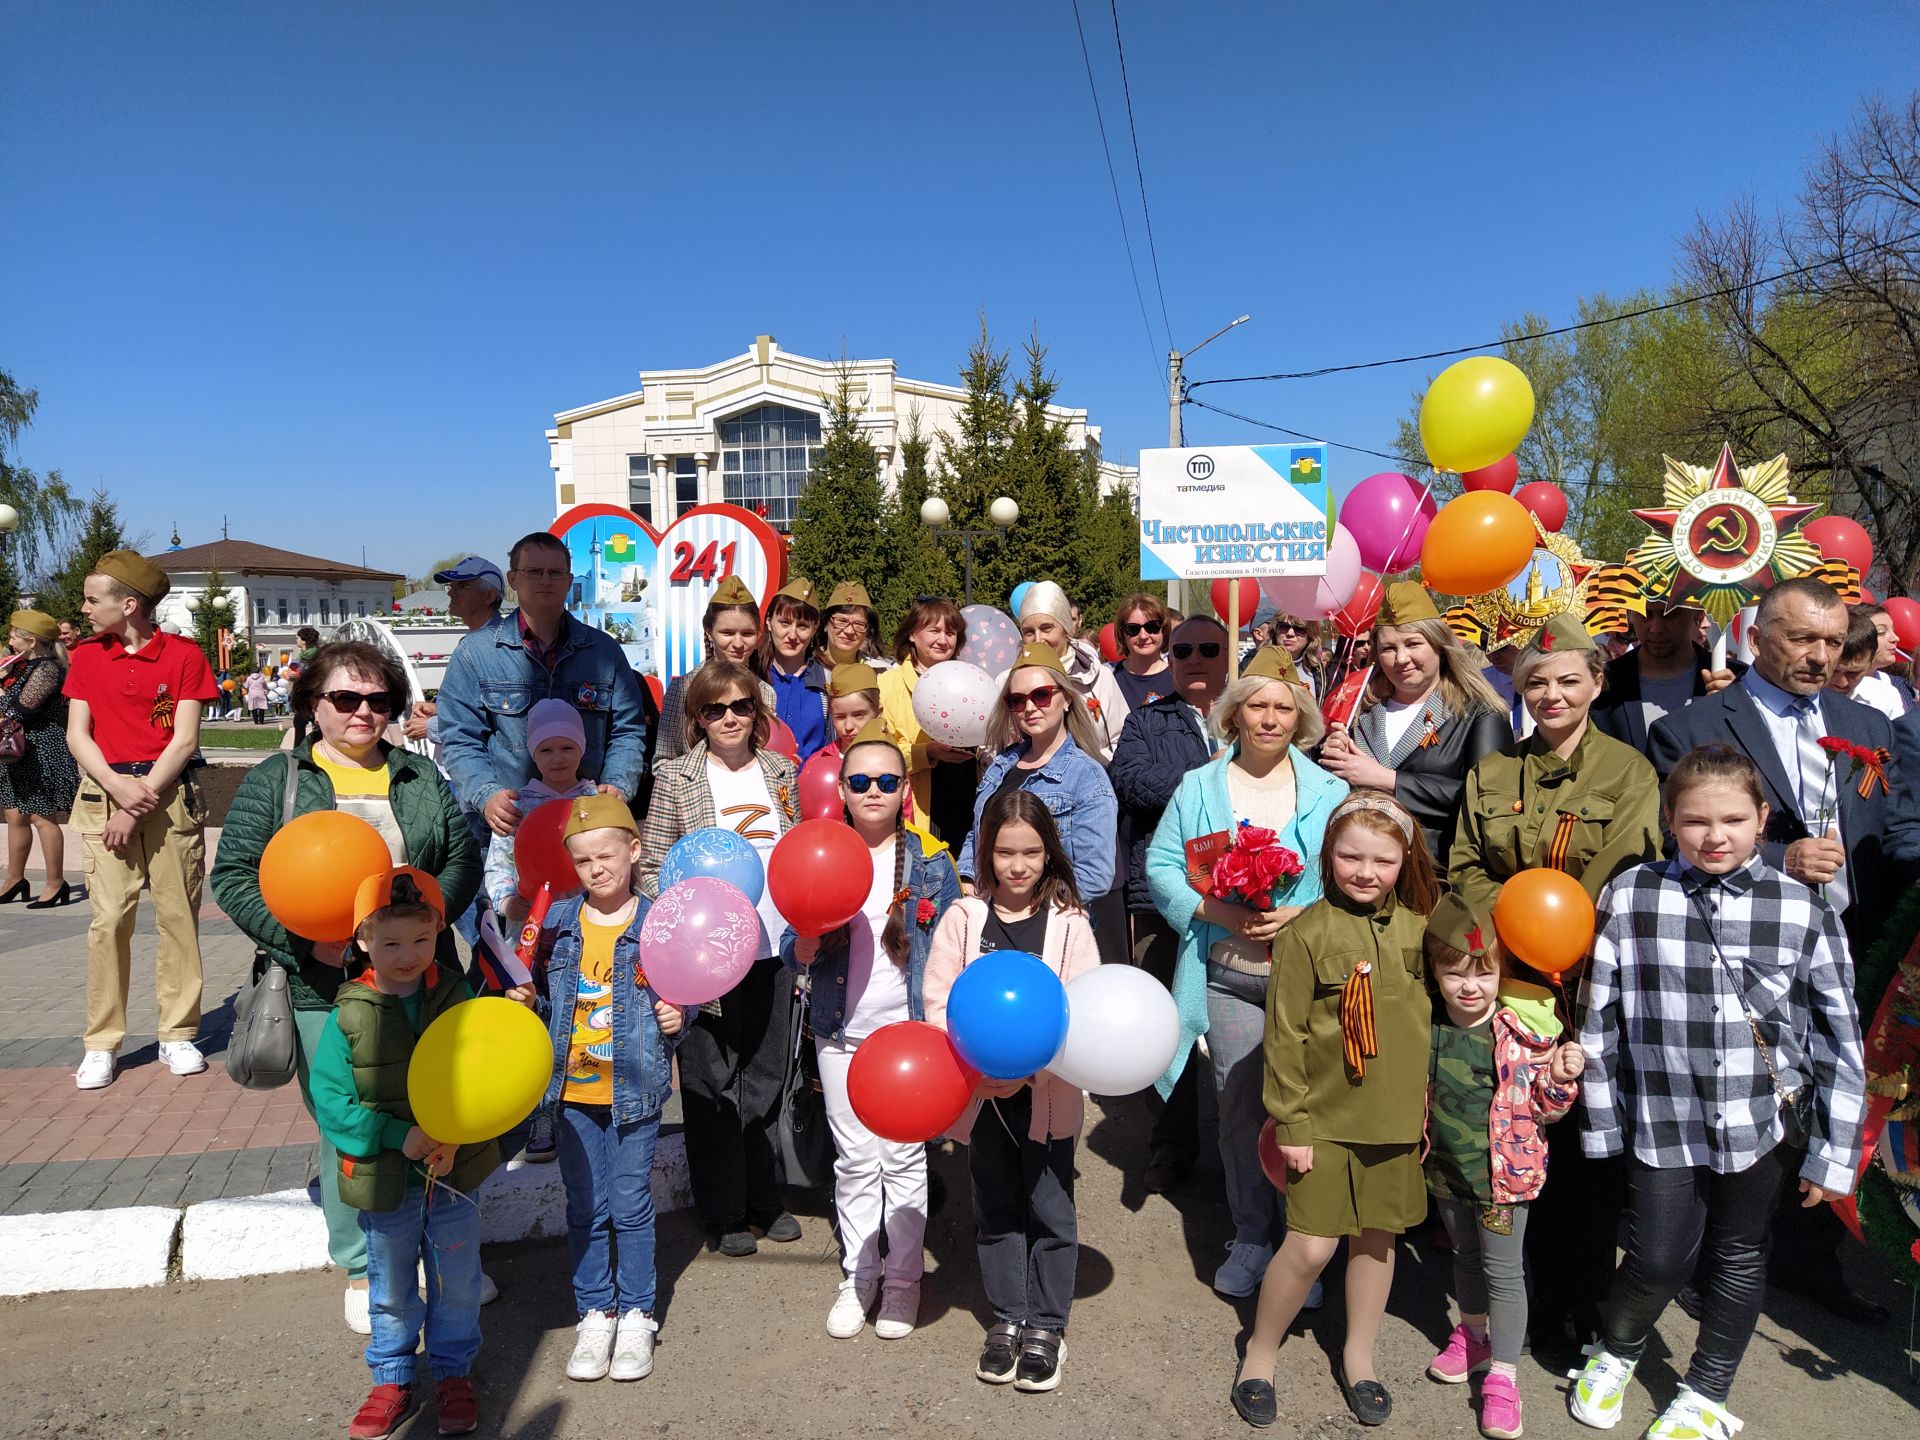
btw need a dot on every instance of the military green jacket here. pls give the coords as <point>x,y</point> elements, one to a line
<point>1592,815</point>
<point>1308,1090</point>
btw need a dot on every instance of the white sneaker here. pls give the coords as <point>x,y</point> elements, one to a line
<point>359,1318</point>
<point>182,1057</point>
<point>850,1306</point>
<point>592,1347</point>
<point>633,1347</point>
<point>899,1310</point>
<point>1599,1388</point>
<point>1245,1266</point>
<point>1316,1297</point>
<point>96,1070</point>
<point>1692,1416</point>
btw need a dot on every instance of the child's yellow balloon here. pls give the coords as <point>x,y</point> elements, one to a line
<point>479,1070</point>
<point>1476,412</point>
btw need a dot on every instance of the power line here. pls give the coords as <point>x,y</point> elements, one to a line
<point>1107,150</point>
<point>1302,435</point>
<point>1153,253</point>
<point>1644,310</point>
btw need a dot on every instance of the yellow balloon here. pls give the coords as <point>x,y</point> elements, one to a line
<point>1476,412</point>
<point>479,1070</point>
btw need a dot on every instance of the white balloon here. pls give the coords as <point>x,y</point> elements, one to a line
<point>1122,1031</point>
<point>952,702</point>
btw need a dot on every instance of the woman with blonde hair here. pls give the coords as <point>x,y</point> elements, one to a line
<point>1426,718</point>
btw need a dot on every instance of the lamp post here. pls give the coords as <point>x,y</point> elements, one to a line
<point>1176,433</point>
<point>935,513</point>
<point>9,522</point>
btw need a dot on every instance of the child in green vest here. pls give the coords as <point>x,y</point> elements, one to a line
<point>359,1083</point>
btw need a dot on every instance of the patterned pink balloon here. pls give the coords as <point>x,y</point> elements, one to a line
<point>699,940</point>
<point>993,640</point>
<point>952,702</point>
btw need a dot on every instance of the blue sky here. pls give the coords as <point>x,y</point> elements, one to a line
<point>328,269</point>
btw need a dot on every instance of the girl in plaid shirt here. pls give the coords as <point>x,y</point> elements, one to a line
<point>1724,1056</point>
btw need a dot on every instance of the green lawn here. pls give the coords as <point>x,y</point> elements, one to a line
<point>251,737</point>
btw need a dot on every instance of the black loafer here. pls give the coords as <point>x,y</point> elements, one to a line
<point>1368,1400</point>
<point>783,1229</point>
<point>736,1243</point>
<point>1256,1403</point>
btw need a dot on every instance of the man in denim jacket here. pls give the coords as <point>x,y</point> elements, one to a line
<point>534,653</point>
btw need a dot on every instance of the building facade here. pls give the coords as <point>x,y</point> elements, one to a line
<point>746,431</point>
<point>273,592</point>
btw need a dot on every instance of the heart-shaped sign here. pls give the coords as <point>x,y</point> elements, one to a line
<point>648,588</point>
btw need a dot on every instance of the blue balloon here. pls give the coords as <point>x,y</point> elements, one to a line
<point>1019,594</point>
<point>719,853</point>
<point>1007,1014</point>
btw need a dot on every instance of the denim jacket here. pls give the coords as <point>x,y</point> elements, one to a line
<point>491,684</point>
<point>642,1056</point>
<point>930,877</point>
<point>1075,789</point>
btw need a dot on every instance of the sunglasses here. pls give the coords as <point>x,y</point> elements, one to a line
<point>1209,650</point>
<point>860,784</point>
<point>1040,697</point>
<point>743,707</point>
<point>1135,627</point>
<point>1291,626</point>
<point>348,701</point>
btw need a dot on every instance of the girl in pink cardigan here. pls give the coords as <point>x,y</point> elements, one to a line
<point>1020,1133</point>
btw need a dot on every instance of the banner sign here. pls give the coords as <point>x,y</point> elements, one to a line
<point>1220,512</point>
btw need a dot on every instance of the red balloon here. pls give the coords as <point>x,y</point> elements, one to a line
<point>780,740</point>
<point>1546,502</point>
<point>907,1084</point>
<point>1109,642</point>
<point>1355,618</point>
<point>1249,598</point>
<point>820,787</point>
<point>1500,475</point>
<point>540,856</point>
<point>658,691</point>
<point>1905,615</point>
<point>1272,1165</point>
<point>819,875</point>
<point>1838,538</point>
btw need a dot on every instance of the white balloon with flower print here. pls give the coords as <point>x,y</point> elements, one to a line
<point>952,702</point>
<point>699,940</point>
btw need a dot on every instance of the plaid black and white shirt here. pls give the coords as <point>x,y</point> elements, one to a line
<point>1672,1067</point>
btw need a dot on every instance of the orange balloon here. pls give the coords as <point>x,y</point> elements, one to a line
<point>1545,918</point>
<point>312,868</point>
<point>1479,542</point>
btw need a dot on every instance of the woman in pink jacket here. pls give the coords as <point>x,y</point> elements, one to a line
<point>1021,1133</point>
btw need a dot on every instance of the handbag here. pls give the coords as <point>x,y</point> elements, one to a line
<point>13,740</point>
<point>805,1143</point>
<point>262,1051</point>
<point>1796,1106</point>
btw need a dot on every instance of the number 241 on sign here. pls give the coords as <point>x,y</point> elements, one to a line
<point>712,564</point>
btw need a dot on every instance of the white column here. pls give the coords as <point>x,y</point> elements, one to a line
<point>706,496</point>
<point>662,496</point>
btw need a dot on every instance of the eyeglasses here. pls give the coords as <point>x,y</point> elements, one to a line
<point>1040,697</point>
<point>848,622</point>
<point>744,707</point>
<point>1294,626</point>
<point>1133,627</point>
<point>1209,650</point>
<point>349,701</point>
<point>860,784</point>
<point>545,576</point>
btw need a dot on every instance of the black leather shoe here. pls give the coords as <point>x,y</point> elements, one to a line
<point>18,892</point>
<point>1255,1403</point>
<point>1367,1399</point>
<point>783,1229</point>
<point>736,1243</point>
<point>62,896</point>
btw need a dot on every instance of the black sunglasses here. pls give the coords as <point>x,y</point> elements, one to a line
<point>743,707</point>
<point>1134,627</point>
<point>859,784</point>
<point>1297,627</point>
<point>348,701</point>
<point>1209,649</point>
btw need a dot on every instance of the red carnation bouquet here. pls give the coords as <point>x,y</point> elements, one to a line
<point>1254,867</point>
<point>1869,763</point>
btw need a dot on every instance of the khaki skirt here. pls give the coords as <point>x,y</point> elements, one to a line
<point>1358,1187</point>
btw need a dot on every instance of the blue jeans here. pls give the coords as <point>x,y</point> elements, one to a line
<point>608,1171</point>
<point>443,1234</point>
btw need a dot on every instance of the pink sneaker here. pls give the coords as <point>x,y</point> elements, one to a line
<point>1463,1356</point>
<point>1500,1408</point>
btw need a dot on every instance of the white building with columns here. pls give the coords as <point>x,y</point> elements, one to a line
<point>270,593</point>
<point>745,431</point>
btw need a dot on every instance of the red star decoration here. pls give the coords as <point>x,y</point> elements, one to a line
<point>1726,476</point>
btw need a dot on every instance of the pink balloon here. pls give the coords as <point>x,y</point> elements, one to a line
<point>1316,597</point>
<point>699,940</point>
<point>1388,515</point>
<point>820,787</point>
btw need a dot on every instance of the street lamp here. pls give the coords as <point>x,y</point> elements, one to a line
<point>935,513</point>
<point>1176,434</point>
<point>9,521</point>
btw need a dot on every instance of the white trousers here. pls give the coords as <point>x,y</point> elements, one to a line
<point>876,1184</point>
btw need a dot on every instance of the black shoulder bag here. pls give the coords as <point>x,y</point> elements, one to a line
<point>261,1052</point>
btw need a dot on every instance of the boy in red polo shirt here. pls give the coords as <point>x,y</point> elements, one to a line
<point>133,724</point>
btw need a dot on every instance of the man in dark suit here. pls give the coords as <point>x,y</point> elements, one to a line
<point>1859,850</point>
<point>1667,667</point>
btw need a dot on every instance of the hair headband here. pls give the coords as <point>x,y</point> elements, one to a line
<point>1355,803</point>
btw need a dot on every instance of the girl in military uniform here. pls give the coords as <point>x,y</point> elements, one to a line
<point>1346,1074</point>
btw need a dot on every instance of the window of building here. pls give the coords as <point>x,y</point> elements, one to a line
<point>363,609</point>
<point>765,455</point>
<point>304,616</point>
<point>640,486</point>
<point>259,612</point>
<point>326,612</point>
<point>686,484</point>
<point>283,609</point>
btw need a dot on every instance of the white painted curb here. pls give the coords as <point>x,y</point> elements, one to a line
<point>86,1250</point>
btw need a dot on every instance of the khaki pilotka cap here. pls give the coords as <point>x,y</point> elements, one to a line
<point>598,812</point>
<point>1405,602</point>
<point>136,572</point>
<point>849,592</point>
<point>1458,925</point>
<point>798,588</point>
<point>733,591</point>
<point>1562,633</point>
<point>851,679</point>
<point>1270,662</point>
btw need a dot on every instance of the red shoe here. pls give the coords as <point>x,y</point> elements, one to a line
<point>459,1411</point>
<point>385,1407</point>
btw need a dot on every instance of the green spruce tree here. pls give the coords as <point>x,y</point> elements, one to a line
<point>916,562</point>
<point>100,532</point>
<point>211,616</point>
<point>836,525</point>
<point>972,469</point>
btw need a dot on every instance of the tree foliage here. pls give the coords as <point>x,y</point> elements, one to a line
<point>46,507</point>
<point>98,532</point>
<point>916,564</point>
<point>217,608</point>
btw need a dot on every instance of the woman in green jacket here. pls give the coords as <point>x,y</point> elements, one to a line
<point>351,690</point>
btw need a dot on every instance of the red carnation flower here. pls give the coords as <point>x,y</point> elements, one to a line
<point>1834,745</point>
<point>924,913</point>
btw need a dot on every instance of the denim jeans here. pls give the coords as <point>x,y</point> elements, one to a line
<point>440,1229</point>
<point>608,1172</point>
<point>1024,1225</point>
<point>1236,1032</point>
